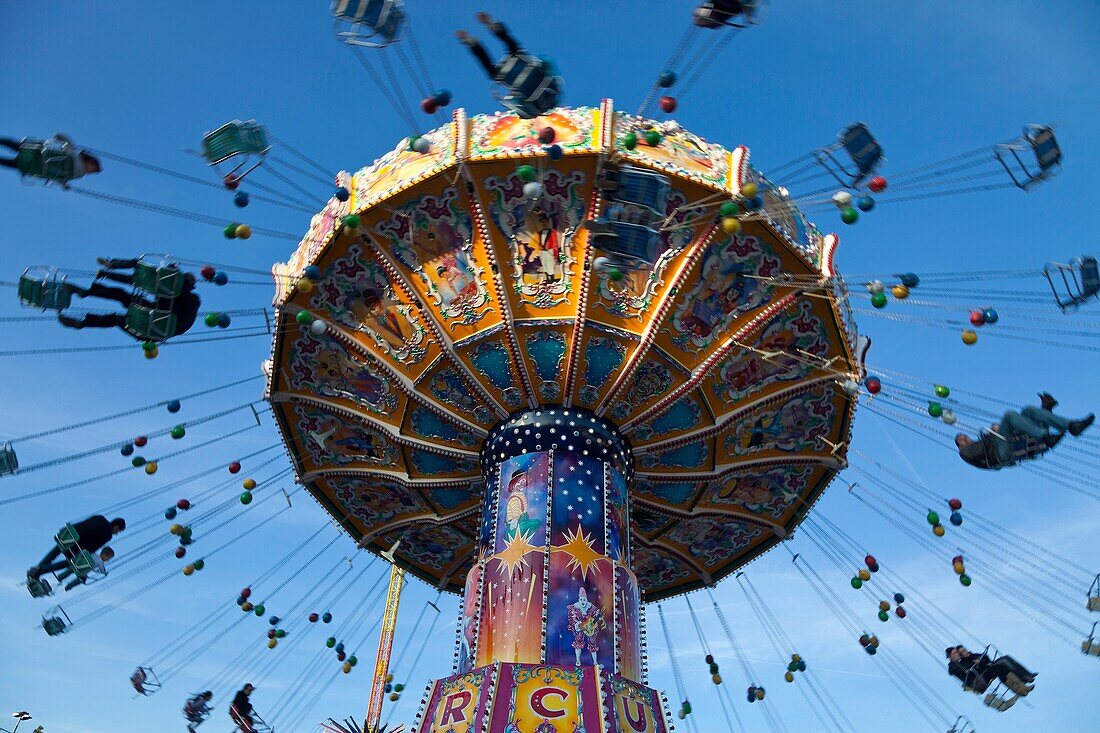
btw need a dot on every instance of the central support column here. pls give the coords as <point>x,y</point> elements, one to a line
<point>550,638</point>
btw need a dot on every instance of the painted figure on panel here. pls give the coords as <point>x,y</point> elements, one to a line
<point>585,621</point>
<point>540,248</point>
<point>516,516</point>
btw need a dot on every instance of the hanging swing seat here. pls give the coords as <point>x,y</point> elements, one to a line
<point>144,681</point>
<point>629,230</point>
<point>1091,646</point>
<point>68,540</point>
<point>247,140</point>
<point>1037,142</point>
<point>150,324</point>
<point>1093,601</point>
<point>56,621</point>
<point>1026,448</point>
<point>9,463</point>
<point>528,86</point>
<point>999,700</point>
<point>196,711</point>
<point>45,288</point>
<point>162,279</point>
<point>39,587</point>
<point>81,561</point>
<point>368,23</point>
<point>1079,281</point>
<point>863,151</point>
<point>729,13</point>
<point>54,160</point>
<point>258,724</point>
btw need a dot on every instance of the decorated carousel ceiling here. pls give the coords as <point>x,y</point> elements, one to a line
<point>459,299</point>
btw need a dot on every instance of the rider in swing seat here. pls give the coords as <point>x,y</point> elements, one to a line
<point>92,534</point>
<point>995,449</point>
<point>56,159</point>
<point>184,306</point>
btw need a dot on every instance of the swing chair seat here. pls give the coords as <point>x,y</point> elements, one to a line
<point>1080,282</point>
<point>44,288</point>
<point>863,151</point>
<point>39,587</point>
<point>638,186</point>
<point>9,463</point>
<point>68,539</point>
<point>258,723</point>
<point>1026,448</point>
<point>145,686</point>
<point>531,89</point>
<point>368,23</point>
<point>161,281</point>
<point>998,702</point>
<point>715,15</point>
<point>49,160</point>
<point>1038,141</point>
<point>234,139</point>
<point>636,243</point>
<point>82,563</point>
<point>54,625</point>
<point>150,324</point>
<point>1090,647</point>
<point>56,621</point>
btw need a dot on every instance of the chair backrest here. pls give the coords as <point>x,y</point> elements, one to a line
<point>234,138</point>
<point>1047,151</point>
<point>67,538</point>
<point>46,290</point>
<point>1090,276</point>
<point>82,563</point>
<point>642,187</point>
<point>1025,447</point>
<point>162,282</point>
<point>862,147</point>
<point>9,463</point>
<point>151,324</point>
<point>384,17</point>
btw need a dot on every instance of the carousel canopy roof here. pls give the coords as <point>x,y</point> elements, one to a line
<point>457,293</point>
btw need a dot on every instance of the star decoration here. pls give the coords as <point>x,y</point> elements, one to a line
<point>578,546</point>
<point>514,554</point>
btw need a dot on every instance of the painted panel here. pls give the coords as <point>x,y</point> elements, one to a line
<point>355,293</point>
<point>430,239</point>
<point>798,331</point>
<point>402,167</point>
<point>504,135</point>
<point>546,699</point>
<point>793,423</point>
<point>323,366</point>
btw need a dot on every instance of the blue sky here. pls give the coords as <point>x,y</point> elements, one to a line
<point>145,80</point>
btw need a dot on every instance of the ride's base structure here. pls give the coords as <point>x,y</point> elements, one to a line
<point>506,698</point>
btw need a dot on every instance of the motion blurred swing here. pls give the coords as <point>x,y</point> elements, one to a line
<point>629,231</point>
<point>863,151</point>
<point>155,275</point>
<point>1080,281</point>
<point>368,23</point>
<point>81,563</point>
<point>1037,141</point>
<point>996,698</point>
<point>243,143</point>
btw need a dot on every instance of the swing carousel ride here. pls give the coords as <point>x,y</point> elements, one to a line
<point>568,362</point>
<point>545,419</point>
